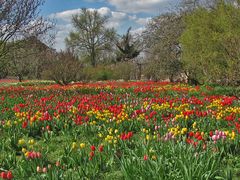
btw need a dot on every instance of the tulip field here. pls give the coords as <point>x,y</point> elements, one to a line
<point>118,130</point>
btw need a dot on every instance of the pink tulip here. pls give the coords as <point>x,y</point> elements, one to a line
<point>214,138</point>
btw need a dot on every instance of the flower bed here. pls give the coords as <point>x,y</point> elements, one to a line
<point>118,130</point>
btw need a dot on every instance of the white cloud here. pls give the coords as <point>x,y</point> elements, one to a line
<point>143,21</point>
<point>119,15</point>
<point>114,20</point>
<point>124,16</point>
<point>62,32</point>
<point>133,17</point>
<point>138,31</point>
<point>137,6</point>
<point>65,15</point>
<point>64,25</point>
<point>104,11</point>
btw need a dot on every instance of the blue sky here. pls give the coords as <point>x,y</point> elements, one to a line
<point>122,13</point>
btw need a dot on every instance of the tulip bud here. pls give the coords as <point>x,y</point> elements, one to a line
<point>57,163</point>
<point>38,169</point>
<point>100,148</point>
<point>44,170</point>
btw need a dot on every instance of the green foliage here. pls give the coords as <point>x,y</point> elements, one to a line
<point>121,70</point>
<point>224,90</point>
<point>127,47</point>
<point>124,70</point>
<point>174,162</point>
<point>210,44</point>
<point>3,69</point>
<point>104,75</point>
<point>98,73</point>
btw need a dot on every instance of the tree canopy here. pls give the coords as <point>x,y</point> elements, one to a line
<point>211,44</point>
<point>90,35</point>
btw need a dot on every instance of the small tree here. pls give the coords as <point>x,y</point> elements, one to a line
<point>64,68</point>
<point>128,48</point>
<point>27,57</point>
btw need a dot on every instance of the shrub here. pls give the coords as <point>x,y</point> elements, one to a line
<point>64,68</point>
<point>124,70</point>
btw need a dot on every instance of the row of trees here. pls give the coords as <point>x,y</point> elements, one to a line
<point>198,41</point>
<point>23,52</point>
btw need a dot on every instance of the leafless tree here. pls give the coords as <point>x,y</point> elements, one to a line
<point>64,68</point>
<point>163,46</point>
<point>20,19</point>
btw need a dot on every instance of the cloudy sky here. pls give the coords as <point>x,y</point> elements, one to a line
<point>122,13</point>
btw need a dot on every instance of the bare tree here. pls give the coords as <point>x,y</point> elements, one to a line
<point>64,67</point>
<point>163,46</point>
<point>20,20</point>
<point>28,57</point>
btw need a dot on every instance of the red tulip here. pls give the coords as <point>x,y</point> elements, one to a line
<point>93,148</point>
<point>191,134</point>
<point>24,124</point>
<point>6,175</point>
<point>3,175</point>
<point>197,134</point>
<point>91,154</point>
<point>100,148</point>
<point>199,138</point>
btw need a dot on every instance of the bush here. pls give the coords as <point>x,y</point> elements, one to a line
<point>100,73</point>
<point>124,70</point>
<point>64,68</point>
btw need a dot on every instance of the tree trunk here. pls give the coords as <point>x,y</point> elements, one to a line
<point>93,57</point>
<point>20,78</point>
<point>140,71</point>
<point>171,78</point>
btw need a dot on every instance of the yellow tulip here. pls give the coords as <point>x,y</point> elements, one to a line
<point>74,145</point>
<point>31,142</point>
<point>21,142</point>
<point>82,145</point>
<point>24,150</point>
